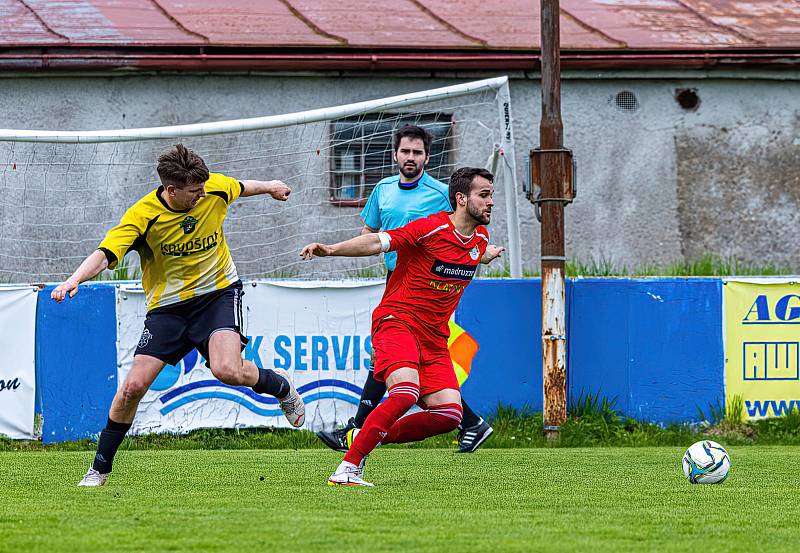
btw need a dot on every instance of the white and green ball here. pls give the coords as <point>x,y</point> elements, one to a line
<point>706,462</point>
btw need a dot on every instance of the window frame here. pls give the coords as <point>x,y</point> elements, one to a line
<point>442,142</point>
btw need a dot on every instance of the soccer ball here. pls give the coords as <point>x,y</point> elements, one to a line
<point>706,462</point>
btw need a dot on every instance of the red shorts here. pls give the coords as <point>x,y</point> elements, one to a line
<point>395,345</point>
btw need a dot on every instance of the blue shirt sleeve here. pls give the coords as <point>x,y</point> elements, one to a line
<point>371,214</point>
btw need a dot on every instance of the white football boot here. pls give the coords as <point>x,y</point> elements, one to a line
<point>349,474</point>
<point>94,479</point>
<point>292,405</point>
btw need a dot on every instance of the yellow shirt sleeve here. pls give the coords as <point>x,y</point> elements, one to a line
<point>226,187</point>
<point>120,239</point>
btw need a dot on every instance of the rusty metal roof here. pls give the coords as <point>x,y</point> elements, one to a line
<point>164,33</point>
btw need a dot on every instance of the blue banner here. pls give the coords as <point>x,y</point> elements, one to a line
<point>652,345</point>
<point>76,361</point>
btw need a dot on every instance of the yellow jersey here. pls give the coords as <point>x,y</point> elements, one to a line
<point>183,253</point>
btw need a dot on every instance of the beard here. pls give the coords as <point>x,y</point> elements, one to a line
<point>478,214</point>
<point>410,173</point>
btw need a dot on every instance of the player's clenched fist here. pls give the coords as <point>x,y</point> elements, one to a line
<point>279,190</point>
<point>320,250</point>
<point>69,286</point>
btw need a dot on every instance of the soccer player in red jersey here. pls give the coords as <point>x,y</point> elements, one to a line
<point>437,258</point>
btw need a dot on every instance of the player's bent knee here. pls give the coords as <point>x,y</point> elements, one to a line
<point>448,415</point>
<point>229,372</point>
<point>402,375</point>
<point>430,401</point>
<point>405,394</point>
<point>133,390</point>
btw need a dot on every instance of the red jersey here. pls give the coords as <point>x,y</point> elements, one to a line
<point>434,265</point>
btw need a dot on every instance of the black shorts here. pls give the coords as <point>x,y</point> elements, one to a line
<point>172,331</point>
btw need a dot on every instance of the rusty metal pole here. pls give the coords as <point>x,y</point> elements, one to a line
<point>551,137</point>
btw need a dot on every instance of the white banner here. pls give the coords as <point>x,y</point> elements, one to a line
<point>318,331</point>
<point>17,364</point>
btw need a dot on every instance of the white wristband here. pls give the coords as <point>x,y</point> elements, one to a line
<point>385,241</point>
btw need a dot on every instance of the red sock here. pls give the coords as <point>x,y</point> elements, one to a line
<point>413,428</point>
<point>401,398</point>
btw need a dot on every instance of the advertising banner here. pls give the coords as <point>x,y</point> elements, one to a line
<point>17,364</point>
<point>318,331</point>
<point>762,345</point>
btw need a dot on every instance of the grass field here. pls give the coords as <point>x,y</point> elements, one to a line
<point>603,499</point>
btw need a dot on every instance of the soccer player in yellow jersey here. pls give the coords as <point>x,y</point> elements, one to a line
<point>193,292</point>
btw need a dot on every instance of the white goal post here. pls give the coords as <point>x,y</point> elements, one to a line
<point>62,190</point>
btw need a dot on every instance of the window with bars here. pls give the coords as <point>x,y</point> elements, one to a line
<point>362,148</point>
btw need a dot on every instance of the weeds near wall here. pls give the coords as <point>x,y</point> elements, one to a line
<point>705,266</point>
<point>731,414</point>
<point>120,272</point>
<point>593,420</point>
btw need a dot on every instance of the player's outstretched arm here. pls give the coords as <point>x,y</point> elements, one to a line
<point>360,246</point>
<point>492,253</point>
<point>90,267</point>
<point>275,188</point>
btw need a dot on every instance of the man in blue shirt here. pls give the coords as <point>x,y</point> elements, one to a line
<point>394,202</point>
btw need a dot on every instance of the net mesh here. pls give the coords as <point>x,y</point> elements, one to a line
<point>57,201</point>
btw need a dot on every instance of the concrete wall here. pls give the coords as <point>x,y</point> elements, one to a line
<point>656,184</point>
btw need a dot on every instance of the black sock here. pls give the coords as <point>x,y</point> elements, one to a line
<point>370,398</point>
<point>108,444</point>
<point>270,382</point>
<point>470,418</point>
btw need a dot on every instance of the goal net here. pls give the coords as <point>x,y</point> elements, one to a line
<point>62,191</point>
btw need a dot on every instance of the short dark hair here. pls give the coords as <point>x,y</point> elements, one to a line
<point>180,167</point>
<point>461,181</point>
<point>413,131</point>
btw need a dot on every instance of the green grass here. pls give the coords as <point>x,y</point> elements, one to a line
<point>603,499</point>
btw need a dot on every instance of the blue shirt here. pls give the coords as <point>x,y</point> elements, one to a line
<point>393,204</point>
